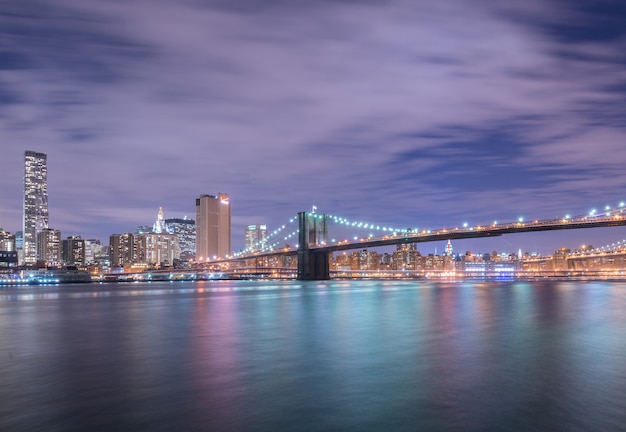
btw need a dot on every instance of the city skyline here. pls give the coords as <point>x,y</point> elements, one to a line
<point>403,113</point>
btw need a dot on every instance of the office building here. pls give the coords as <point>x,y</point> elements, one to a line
<point>93,249</point>
<point>255,237</point>
<point>156,249</point>
<point>212,226</point>
<point>35,209</point>
<point>7,241</point>
<point>49,247</point>
<point>185,230</point>
<point>121,249</point>
<point>8,253</point>
<point>74,251</point>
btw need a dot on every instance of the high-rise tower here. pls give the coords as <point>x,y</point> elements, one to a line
<point>255,238</point>
<point>212,226</point>
<point>35,202</point>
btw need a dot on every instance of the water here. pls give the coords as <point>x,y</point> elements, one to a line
<point>331,356</point>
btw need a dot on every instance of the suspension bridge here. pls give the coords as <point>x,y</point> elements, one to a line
<point>314,250</point>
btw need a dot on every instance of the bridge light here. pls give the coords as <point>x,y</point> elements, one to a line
<point>464,224</point>
<point>520,219</point>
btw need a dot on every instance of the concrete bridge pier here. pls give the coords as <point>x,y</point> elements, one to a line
<point>312,264</point>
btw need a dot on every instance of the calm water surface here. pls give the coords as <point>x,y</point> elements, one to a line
<point>332,356</point>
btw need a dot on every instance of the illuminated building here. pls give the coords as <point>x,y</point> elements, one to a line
<point>7,241</point>
<point>8,253</point>
<point>49,246</point>
<point>74,251</point>
<point>212,226</point>
<point>35,210</point>
<point>255,237</point>
<point>93,250</point>
<point>156,249</point>
<point>185,230</point>
<point>405,257</point>
<point>121,249</point>
<point>159,225</point>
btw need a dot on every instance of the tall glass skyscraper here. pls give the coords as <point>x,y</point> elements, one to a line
<point>35,202</point>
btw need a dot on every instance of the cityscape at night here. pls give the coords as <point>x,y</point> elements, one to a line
<point>204,244</point>
<point>312,216</point>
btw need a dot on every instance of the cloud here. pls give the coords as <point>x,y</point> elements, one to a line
<point>398,111</point>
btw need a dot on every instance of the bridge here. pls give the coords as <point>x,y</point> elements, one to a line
<point>313,251</point>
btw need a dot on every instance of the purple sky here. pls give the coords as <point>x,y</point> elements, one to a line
<point>411,113</point>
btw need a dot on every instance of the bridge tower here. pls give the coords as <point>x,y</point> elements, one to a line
<point>313,264</point>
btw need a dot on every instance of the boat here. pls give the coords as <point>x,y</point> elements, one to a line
<point>56,276</point>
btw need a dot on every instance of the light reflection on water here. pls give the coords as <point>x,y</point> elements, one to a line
<point>338,355</point>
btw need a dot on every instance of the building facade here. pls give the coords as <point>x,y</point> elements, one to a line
<point>121,249</point>
<point>156,249</point>
<point>35,210</point>
<point>74,252</point>
<point>185,230</point>
<point>7,241</point>
<point>93,249</point>
<point>255,237</point>
<point>8,253</point>
<point>49,247</point>
<point>213,230</point>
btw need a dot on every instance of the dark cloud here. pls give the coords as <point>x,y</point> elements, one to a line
<point>588,21</point>
<point>66,42</point>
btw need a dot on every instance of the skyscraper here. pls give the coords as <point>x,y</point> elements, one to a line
<point>255,238</point>
<point>185,230</point>
<point>212,226</point>
<point>35,202</point>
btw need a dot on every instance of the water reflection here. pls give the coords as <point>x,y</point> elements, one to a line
<point>359,355</point>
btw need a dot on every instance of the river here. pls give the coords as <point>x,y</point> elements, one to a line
<point>314,356</point>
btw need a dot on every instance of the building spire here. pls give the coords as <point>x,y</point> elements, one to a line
<point>159,225</point>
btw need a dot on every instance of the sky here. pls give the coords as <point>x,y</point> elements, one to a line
<point>408,113</point>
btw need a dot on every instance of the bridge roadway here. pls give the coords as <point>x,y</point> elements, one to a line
<point>313,259</point>
<point>617,218</point>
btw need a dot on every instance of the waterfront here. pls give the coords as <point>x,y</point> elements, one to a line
<point>315,356</point>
